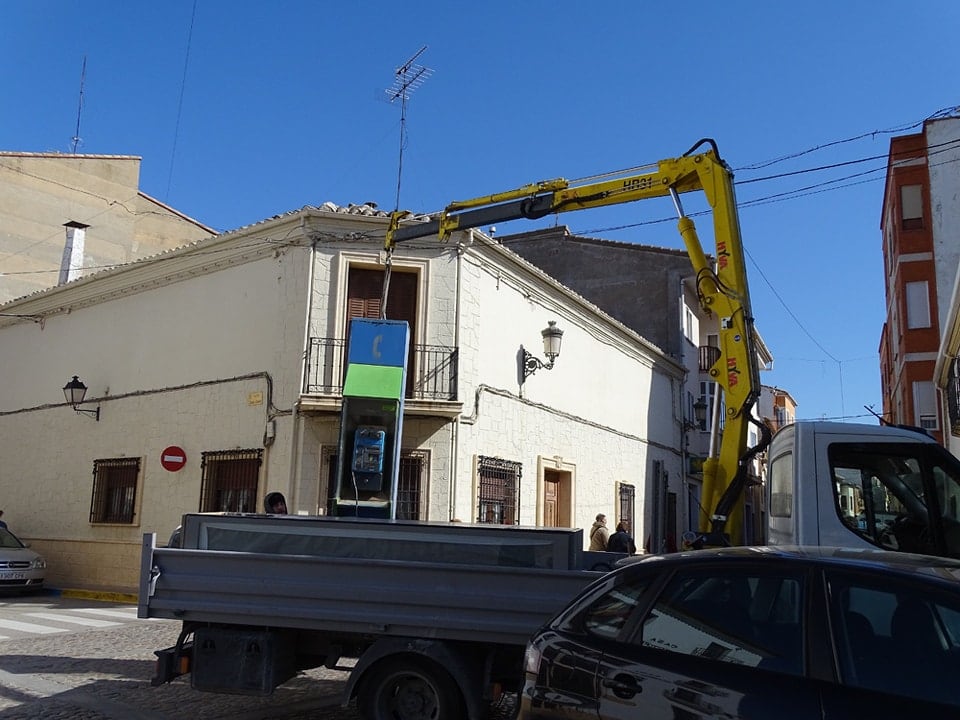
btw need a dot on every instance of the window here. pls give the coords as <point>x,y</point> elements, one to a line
<point>899,640</point>
<point>730,616</point>
<point>911,207</point>
<point>925,405</point>
<point>689,327</point>
<point>229,480</point>
<point>781,486</point>
<point>884,495</point>
<point>410,484</point>
<point>498,482</point>
<point>626,498</point>
<point>918,305</point>
<point>608,615</point>
<point>114,490</point>
<point>707,392</point>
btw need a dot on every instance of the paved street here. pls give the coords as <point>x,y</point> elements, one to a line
<point>66,659</point>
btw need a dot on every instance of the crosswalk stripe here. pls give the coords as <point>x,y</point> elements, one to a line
<point>29,627</point>
<point>88,622</point>
<point>126,614</point>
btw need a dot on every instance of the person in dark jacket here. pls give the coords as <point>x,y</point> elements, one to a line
<point>621,541</point>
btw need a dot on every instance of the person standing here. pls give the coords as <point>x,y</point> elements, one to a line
<point>599,534</point>
<point>621,541</point>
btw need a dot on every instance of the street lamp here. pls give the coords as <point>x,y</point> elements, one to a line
<point>74,391</point>
<point>699,415</point>
<point>552,337</point>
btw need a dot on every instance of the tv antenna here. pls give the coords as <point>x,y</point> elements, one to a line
<point>407,79</point>
<point>76,134</point>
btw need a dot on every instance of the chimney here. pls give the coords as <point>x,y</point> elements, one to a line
<point>72,262</point>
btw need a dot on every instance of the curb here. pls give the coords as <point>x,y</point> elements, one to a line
<point>103,595</point>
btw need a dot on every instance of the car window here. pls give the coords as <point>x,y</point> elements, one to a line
<point>607,616</point>
<point>896,638</point>
<point>748,619</point>
<point>8,540</point>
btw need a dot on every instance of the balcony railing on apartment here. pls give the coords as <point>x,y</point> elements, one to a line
<point>708,356</point>
<point>433,370</point>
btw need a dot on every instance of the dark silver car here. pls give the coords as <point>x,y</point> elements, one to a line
<point>754,633</point>
<point>21,569</point>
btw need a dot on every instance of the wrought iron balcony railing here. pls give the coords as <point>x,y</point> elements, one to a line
<point>431,373</point>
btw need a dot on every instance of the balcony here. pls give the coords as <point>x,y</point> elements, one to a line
<point>708,356</point>
<point>431,377</point>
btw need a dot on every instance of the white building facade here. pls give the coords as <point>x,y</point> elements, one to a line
<point>231,350</point>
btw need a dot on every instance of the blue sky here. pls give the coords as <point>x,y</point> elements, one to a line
<point>241,111</point>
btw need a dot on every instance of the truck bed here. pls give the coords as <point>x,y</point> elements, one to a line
<point>490,603</point>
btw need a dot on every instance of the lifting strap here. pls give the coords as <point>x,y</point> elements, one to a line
<point>386,284</point>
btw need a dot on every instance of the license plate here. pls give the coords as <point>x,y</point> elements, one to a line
<point>6,575</point>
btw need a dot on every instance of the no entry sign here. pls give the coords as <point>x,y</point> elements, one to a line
<point>173,458</point>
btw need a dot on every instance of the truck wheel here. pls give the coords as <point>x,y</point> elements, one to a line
<point>409,690</point>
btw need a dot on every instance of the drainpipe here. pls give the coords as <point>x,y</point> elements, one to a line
<point>455,425</point>
<point>296,427</point>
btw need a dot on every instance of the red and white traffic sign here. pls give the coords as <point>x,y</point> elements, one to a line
<point>173,458</point>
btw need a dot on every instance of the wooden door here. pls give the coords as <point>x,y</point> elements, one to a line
<point>551,498</point>
<point>364,290</point>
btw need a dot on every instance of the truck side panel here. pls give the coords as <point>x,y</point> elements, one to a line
<point>350,595</point>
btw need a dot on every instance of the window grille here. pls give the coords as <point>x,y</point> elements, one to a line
<point>499,491</point>
<point>625,501</point>
<point>229,480</point>
<point>114,490</point>
<point>409,484</point>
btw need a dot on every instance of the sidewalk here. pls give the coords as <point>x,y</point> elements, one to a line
<point>115,596</point>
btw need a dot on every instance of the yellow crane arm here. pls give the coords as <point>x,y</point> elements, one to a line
<point>722,290</point>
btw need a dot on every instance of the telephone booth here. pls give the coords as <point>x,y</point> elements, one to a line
<point>371,420</point>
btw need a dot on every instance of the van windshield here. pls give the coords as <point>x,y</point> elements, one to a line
<point>899,496</point>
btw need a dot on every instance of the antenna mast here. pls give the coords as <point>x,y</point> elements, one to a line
<point>76,134</point>
<point>407,78</point>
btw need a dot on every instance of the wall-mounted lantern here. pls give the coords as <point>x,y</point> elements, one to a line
<point>699,415</point>
<point>74,391</point>
<point>552,336</point>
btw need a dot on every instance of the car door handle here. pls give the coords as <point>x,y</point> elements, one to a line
<point>623,686</point>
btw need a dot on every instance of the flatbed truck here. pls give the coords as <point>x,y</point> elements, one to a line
<point>430,619</point>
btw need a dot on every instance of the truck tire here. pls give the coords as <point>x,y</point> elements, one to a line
<point>409,689</point>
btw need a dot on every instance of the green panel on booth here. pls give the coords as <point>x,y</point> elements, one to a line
<point>374,381</point>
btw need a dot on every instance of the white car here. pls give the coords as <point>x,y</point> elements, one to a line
<point>21,569</point>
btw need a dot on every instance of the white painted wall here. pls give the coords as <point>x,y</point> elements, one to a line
<point>174,352</point>
<point>161,363</point>
<point>943,149</point>
<point>606,407</point>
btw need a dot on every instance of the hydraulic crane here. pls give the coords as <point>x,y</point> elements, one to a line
<point>722,291</point>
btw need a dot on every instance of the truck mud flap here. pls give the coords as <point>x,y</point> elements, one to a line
<point>174,661</point>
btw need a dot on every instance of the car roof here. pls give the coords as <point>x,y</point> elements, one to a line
<point>945,569</point>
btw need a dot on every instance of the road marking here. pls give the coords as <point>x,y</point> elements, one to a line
<point>89,622</point>
<point>125,613</point>
<point>29,627</point>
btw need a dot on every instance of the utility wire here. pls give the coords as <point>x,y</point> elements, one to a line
<point>183,83</point>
